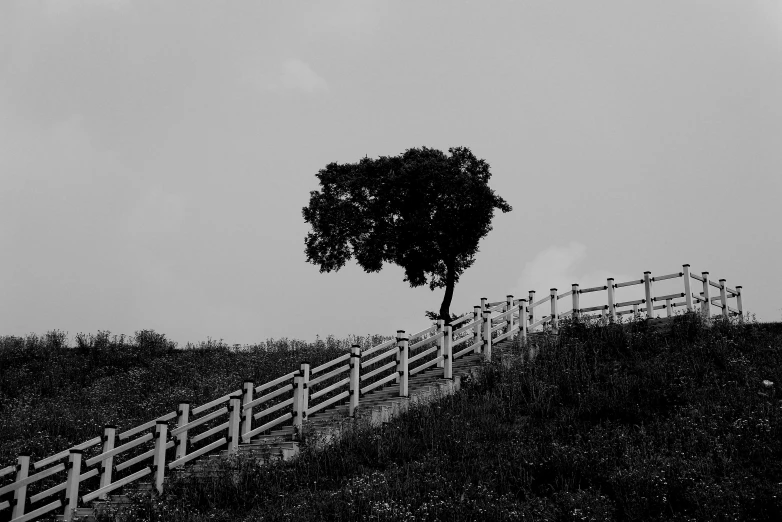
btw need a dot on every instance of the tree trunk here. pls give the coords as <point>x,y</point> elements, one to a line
<point>450,281</point>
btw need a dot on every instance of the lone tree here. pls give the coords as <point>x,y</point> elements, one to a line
<point>422,210</point>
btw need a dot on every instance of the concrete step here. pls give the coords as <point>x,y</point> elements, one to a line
<point>379,406</point>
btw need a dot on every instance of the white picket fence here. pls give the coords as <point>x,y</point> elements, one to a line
<point>108,462</point>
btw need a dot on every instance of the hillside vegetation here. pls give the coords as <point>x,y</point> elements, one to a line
<point>623,422</point>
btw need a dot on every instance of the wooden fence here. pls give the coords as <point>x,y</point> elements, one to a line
<point>95,468</point>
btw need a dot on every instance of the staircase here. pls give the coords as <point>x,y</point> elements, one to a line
<point>377,407</point>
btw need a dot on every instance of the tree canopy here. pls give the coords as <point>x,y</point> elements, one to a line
<point>422,210</point>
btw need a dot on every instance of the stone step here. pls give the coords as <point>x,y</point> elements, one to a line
<point>380,406</point>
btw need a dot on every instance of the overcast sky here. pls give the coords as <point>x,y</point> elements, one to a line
<point>155,156</point>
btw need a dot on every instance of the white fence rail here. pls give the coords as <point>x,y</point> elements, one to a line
<point>141,452</point>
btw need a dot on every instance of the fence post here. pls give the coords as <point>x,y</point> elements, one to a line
<point>576,300</point>
<point>523,320</point>
<point>402,367</point>
<point>440,341</point>
<point>301,396</point>
<point>355,378</point>
<point>554,314</point>
<point>159,459</point>
<point>182,419</point>
<point>234,423</point>
<point>20,494</point>
<point>297,391</point>
<point>72,484</point>
<point>109,432</point>
<point>531,311</point>
<point>687,290</point>
<point>724,299</point>
<point>484,305</point>
<point>448,352</point>
<point>611,299</point>
<point>706,303</point>
<point>668,307</point>
<point>486,335</point>
<point>476,329</point>
<point>509,317</point>
<point>648,295</point>
<point>635,312</point>
<point>739,304</point>
<point>247,415</point>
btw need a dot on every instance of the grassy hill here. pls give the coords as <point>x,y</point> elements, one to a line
<point>607,423</point>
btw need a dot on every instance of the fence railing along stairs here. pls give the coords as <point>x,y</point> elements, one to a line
<point>91,470</point>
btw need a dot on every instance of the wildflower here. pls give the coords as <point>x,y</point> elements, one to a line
<point>767,383</point>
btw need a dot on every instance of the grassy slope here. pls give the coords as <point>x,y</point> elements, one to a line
<point>607,423</point>
<point>53,396</point>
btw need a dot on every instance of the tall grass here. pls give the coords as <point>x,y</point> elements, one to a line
<point>54,396</point>
<point>607,423</point>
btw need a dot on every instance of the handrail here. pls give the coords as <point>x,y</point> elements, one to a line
<point>670,296</point>
<point>593,289</point>
<point>380,346</point>
<point>380,357</point>
<point>423,332</point>
<point>541,301</point>
<point>423,354</point>
<point>467,327</point>
<point>212,404</point>
<point>430,339</point>
<point>327,376</point>
<point>461,319</point>
<point>146,425</point>
<point>333,387</point>
<point>329,364</point>
<point>32,478</point>
<point>669,276</point>
<point>276,381</point>
<point>272,409</point>
<point>120,449</point>
<point>377,370</point>
<point>268,396</point>
<point>630,303</point>
<point>197,422</point>
<point>470,336</point>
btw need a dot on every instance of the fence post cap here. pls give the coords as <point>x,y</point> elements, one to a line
<point>704,272</point>
<point>24,454</point>
<point>159,422</point>
<point>686,264</point>
<point>609,279</point>
<point>739,286</point>
<point>553,289</point>
<point>109,427</point>
<point>721,280</point>
<point>509,295</point>
<point>75,451</point>
<point>647,272</point>
<point>248,381</point>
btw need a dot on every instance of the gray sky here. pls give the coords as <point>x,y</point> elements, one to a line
<point>155,156</point>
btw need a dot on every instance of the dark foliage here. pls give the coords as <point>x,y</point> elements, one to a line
<point>422,210</point>
<point>606,423</point>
